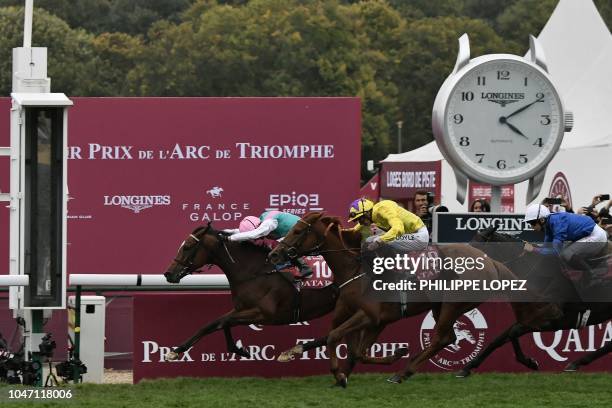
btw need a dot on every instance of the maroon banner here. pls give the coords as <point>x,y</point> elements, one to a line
<point>143,172</point>
<point>166,320</point>
<point>402,180</point>
<point>478,190</point>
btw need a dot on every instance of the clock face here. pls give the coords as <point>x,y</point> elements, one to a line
<point>503,119</point>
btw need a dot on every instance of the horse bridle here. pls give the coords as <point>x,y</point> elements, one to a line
<point>188,265</point>
<point>292,251</point>
<point>487,239</point>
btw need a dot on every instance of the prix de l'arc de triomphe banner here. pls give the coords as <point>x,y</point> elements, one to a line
<point>144,172</point>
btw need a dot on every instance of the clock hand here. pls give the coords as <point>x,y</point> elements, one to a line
<point>504,121</point>
<point>523,108</point>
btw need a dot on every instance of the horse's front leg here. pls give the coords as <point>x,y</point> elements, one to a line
<point>341,313</point>
<point>229,319</point>
<point>232,347</point>
<point>352,325</point>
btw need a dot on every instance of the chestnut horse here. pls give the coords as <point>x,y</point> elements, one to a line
<point>356,312</point>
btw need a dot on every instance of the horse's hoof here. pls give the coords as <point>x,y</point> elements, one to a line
<point>285,357</point>
<point>172,356</point>
<point>463,373</point>
<point>532,364</point>
<point>571,368</point>
<point>401,352</point>
<point>341,381</point>
<point>395,379</point>
<point>290,354</point>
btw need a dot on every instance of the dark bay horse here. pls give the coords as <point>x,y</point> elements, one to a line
<point>547,275</point>
<point>356,312</point>
<point>259,295</point>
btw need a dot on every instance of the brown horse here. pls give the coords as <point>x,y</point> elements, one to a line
<point>356,312</point>
<point>260,296</point>
<point>360,318</point>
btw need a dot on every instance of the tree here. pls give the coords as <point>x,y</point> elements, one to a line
<point>426,59</point>
<point>115,57</point>
<point>70,54</point>
<point>605,9</point>
<point>487,10</point>
<point>99,16</point>
<point>522,18</point>
<point>281,48</point>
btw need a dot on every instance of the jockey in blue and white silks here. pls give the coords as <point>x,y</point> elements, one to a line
<point>574,237</point>
<point>272,225</point>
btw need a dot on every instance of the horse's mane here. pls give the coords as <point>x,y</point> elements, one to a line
<point>198,229</point>
<point>210,230</point>
<point>258,248</point>
<point>353,237</point>
<point>330,219</point>
<point>503,237</point>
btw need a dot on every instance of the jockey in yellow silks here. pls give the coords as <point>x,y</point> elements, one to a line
<point>397,227</point>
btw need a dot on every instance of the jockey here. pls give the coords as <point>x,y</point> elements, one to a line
<point>271,226</point>
<point>586,239</point>
<point>397,227</point>
<point>250,223</point>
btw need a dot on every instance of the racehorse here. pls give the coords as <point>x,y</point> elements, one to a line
<point>259,295</point>
<point>548,276</point>
<point>311,235</point>
<point>306,237</point>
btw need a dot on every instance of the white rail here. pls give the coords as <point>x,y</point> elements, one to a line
<point>216,280</point>
<point>14,280</point>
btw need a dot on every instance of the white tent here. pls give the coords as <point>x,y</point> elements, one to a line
<point>578,49</point>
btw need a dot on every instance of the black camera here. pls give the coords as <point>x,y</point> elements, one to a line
<point>47,346</point>
<point>70,369</point>
<point>433,208</point>
<point>13,365</point>
<point>604,197</point>
<point>30,372</point>
<point>553,200</point>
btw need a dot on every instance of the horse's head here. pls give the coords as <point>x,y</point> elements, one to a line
<point>306,237</point>
<point>499,246</point>
<point>195,252</point>
<point>486,235</point>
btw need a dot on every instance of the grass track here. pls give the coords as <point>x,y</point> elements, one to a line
<point>365,390</point>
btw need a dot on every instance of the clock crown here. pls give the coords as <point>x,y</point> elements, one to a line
<point>568,120</point>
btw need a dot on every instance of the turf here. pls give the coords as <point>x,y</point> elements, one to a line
<point>425,390</point>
